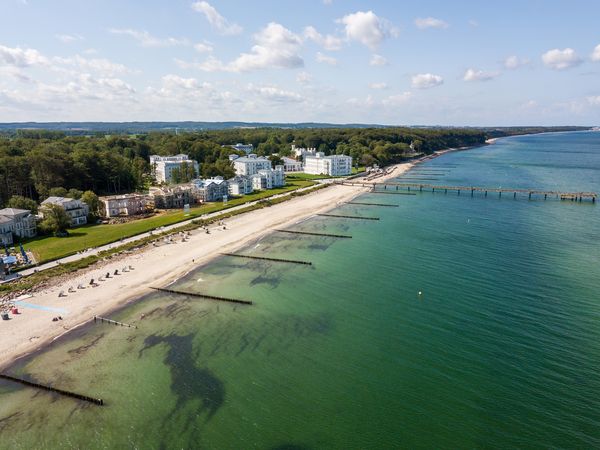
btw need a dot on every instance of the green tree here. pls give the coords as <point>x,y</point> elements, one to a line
<point>91,199</point>
<point>58,192</point>
<point>56,221</point>
<point>74,193</point>
<point>20,202</point>
<point>275,160</point>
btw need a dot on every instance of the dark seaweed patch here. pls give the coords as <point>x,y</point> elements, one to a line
<point>188,381</point>
<point>84,348</point>
<point>263,279</point>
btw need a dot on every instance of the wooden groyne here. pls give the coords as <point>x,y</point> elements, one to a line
<point>85,398</point>
<point>308,233</point>
<point>371,204</point>
<point>339,216</point>
<point>112,322</point>
<point>530,193</point>
<point>207,297</point>
<point>263,258</point>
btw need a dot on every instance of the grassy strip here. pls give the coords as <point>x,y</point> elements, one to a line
<point>46,275</point>
<point>51,248</point>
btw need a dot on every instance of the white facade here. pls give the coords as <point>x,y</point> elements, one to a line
<point>268,179</point>
<point>7,226</point>
<point>75,209</point>
<point>251,164</point>
<point>23,221</point>
<point>163,166</point>
<point>301,152</point>
<point>333,165</point>
<point>240,185</point>
<point>291,165</point>
<point>210,189</point>
<point>124,205</point>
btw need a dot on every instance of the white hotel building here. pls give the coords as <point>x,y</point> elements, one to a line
<point>333,165</point>
<point>251,164</point>
<point>163,166</point>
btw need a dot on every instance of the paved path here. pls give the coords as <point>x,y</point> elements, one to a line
<point>137,237</point>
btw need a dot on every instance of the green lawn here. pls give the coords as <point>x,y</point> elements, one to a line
<point>308,176</point>
<point>50,248</point>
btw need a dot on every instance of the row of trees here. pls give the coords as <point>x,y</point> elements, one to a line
<point>34,165</point>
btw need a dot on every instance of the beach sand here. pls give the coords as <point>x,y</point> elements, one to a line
<point>153,266</point>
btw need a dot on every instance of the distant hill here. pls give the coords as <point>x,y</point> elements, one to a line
<point>145,127</point>
<point>86,128</point>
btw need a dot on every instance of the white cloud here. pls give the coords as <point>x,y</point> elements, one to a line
<point>378,60</point>
<point>378,85</point>
<point>147,40</point>
<point>21,57</point>
<point>561,59</point>
<point>595,56</point>
<point>514,62</point>
<point>304,78</point>
<point>171,81</point>
<point>203,47</point>
<point>68,38</point>
<point>367,28</point>
<point>398,99</point>
<point>430,22</point>
<point>100,65</point>
<point>217,21</point>
<point>275,94</point>
<point>478,75</point>
<point>473,23</point>
<point>327,2</point>
<point>426,80</point>
<point>594,100</point>
<point>15,72</point>
<point>276,48</point>
<point>328,42</point>
<point>326,59</point>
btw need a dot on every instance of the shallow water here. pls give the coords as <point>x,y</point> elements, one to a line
<point>501,349</point>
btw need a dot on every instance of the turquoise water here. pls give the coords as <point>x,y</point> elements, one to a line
<point>500,350</point>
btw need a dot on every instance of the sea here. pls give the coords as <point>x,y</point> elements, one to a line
<point>452,322</point>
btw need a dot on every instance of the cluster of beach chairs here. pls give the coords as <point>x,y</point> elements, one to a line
<point>94,281</point>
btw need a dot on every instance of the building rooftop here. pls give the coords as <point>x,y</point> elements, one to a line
<point>251,158</point>
<point>5,219</point>
<point>57,200</point>
<point>120,197</point>
<point>13,211</point>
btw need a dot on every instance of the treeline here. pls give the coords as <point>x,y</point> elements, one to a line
<point>35,162</point>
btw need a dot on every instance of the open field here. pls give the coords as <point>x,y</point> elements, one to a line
<point>49,248</point>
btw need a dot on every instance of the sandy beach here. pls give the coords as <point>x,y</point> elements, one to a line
<point>153,266</point>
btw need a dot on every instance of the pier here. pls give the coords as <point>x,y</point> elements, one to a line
<point>348,217</point>
<point>207,297</point>
<point>262,258</point>
<point>308,233</point>
<point>85,398</point>
<point>392,192</point>
<point>530,193</point>
<point>371,204</point>
<point>112,322</point>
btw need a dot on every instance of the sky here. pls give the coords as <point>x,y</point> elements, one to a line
<point>393,62</point>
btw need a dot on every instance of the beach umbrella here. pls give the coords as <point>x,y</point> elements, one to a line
<point>23,253</point>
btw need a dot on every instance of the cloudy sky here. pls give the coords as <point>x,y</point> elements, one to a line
<point>515,62</point>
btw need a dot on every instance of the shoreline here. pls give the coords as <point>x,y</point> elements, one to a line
<point>32,330</point>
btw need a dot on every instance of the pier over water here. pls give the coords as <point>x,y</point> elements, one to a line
<point>530,193</point>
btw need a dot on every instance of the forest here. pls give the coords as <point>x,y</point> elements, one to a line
<point>34,163</point>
